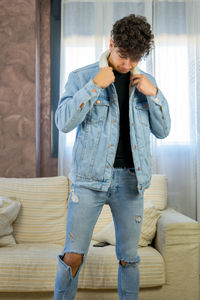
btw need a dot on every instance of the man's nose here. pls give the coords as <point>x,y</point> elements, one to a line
<point>127,63</point>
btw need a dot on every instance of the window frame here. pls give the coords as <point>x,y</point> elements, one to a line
<point>55,40</point>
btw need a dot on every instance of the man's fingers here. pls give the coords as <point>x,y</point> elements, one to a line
<point>105,77</point>
<point>135,81</point>
<point>137,76</point>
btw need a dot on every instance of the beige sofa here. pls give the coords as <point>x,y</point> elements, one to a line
<point>169,267</point>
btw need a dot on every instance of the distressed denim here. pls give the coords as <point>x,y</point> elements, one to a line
<point>85,206</point>
<point>95,113</point>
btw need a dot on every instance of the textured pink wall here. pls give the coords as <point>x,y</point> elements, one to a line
<point>18,89</point>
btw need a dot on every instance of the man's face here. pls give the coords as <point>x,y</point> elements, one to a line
<point>119,61</point>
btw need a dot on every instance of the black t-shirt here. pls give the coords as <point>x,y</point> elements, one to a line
<point>123,155</point>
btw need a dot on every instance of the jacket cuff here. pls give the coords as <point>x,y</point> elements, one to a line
<point>157,98</point>
<point>92,88</point>
<point>92,92</point>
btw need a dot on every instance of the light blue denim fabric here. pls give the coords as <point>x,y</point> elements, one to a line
<point>84,208</point>
<point>95,113</point>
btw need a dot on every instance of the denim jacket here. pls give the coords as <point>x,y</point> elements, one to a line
<point>95,113</point>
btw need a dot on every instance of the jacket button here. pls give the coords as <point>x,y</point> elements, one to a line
<point>135,147</point>
<point>138,169</point>
<point>82,104</point>
<point>107,167</point>
<point>114,121</point>
<point>141,188</point>
<point>98,101</point>
<point>111,145</point>
<point>157,100</point>
<point>94,90</point>
<point>132,124</point>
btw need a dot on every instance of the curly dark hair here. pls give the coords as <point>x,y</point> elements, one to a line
<point>133,36</point>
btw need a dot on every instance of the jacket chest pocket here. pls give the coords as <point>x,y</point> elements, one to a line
<point>99,111</point>
<point>143,113</point>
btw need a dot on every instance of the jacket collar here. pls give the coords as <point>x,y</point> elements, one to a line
<point>103,62</point>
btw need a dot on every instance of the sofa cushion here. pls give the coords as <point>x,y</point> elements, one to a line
<point>102,273</point>
<point>32,267</point>
<point>9,209</point>
<point>148,230</point>
<point>28,267</point>
<point>42,217</point>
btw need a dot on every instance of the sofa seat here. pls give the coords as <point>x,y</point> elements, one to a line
<point>102,273</point>
<point>32,267</point>
<point>28,267</point>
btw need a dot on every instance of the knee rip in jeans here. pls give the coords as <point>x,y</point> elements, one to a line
<point>74,260</point>
<point>122,263</point>
<point>126,264</point>
<point>134,262</point>
<point>74,197</point>
<point>138,219</point>
<point>71,236</point>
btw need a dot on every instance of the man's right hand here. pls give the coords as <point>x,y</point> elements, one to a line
<point>104,78</point>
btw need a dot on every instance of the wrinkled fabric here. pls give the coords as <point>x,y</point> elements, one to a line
<point>95,113</point>
<point>85,206</point>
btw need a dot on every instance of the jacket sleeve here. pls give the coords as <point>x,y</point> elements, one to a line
<point>160,121</point>
<point>75,103</point>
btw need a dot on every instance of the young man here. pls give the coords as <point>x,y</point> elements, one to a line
<point>114,106</point>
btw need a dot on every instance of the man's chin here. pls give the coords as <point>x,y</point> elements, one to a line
<point>123,71</point>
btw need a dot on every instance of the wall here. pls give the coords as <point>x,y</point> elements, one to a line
<point>25,151</point>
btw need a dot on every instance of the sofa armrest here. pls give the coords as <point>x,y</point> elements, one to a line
<point>174,228</point>
<point>178,241</point>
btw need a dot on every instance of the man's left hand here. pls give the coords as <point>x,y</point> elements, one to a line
<point>143,84</point>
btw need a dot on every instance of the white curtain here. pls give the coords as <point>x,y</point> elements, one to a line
<point>175,63</point>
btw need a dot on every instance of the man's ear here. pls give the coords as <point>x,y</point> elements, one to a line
<point>111,44</point>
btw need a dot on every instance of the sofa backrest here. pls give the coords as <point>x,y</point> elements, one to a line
<point>157,192</point>
<point>42,217</point>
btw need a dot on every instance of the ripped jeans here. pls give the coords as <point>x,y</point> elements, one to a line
<point>84,208</point>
